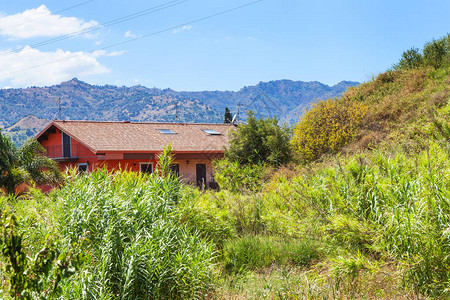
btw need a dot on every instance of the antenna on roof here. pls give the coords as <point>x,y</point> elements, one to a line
<point>176,111</point>
<point>59,107</point>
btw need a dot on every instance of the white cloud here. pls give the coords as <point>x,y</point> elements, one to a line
<point>41,22</point>
<point>128,34</point>
<point>31,67</point>
<point>99,53</point>
<point>183,28</point>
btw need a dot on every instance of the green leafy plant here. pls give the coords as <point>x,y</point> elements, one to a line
<point>227,117</point>
<point>165,160</point>
<point>26,164</point>
<point>411,59</point>
<point>260,141</point>
<point>137,248</point>
<point>34,277</point>
<point>235,177</point>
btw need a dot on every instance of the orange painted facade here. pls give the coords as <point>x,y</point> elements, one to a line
<point>80,155</point>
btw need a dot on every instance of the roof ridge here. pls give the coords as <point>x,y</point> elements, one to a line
<point>130,122</point>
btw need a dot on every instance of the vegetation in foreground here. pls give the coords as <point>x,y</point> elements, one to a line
<point>362,215</point>
<point>25,165</point>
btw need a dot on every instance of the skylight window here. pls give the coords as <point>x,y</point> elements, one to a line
<point>166,131</point>
<point>211,132</point>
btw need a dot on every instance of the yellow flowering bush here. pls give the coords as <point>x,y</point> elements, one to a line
<point>326,127</point>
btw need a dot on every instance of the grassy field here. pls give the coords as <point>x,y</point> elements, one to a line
<point>373,226</point>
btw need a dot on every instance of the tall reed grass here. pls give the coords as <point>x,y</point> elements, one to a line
<point>136,248</point>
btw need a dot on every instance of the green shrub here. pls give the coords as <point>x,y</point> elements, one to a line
<point>260,141</point>
<point>235,177</point>
<point>411,59</point>
<point>435,53</point>
<point>326,127</point>
<point>198,211</point>
<point>39,276</point>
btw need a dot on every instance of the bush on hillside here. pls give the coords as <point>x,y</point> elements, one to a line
<point>411,59</point>
<point>260,141</point>
<point>435,54</point>
<point>326,127</point>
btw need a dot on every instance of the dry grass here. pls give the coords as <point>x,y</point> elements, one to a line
<point>403,105</point>
<point>320,282</point>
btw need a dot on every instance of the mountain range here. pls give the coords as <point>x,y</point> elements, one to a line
<point>24,112</point>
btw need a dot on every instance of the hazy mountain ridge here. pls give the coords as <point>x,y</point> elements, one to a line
<point>82,101</point>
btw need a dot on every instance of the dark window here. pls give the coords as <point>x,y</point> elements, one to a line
<point>201,175</point>
<point>83,168</point>
<point>66,145</point>
<point>175,169</point>
<point>146,168</point>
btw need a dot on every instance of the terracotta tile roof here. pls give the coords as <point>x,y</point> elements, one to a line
<point>144,137</point>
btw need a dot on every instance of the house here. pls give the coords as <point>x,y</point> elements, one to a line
<point>88,145</point>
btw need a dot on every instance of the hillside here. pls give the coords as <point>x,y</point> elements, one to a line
<point>82,101</point>
<point>24,128</point>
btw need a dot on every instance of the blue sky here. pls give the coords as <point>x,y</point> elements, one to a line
<point>326,41</point>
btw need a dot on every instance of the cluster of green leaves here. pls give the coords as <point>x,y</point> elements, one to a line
<point>260,141</point>
<point>435,54</point>
<point>227,116</point>
<point>27,164</point>
<point>38,277</point>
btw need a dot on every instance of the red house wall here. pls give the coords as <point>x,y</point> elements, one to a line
<point>81,155</point>
<point>54,144</point>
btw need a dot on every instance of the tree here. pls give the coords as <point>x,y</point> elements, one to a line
<point>260,141</point>
<point>26,164</point>
<point>228,116</point>
<point>411,59</point>
<point>434,53</point>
